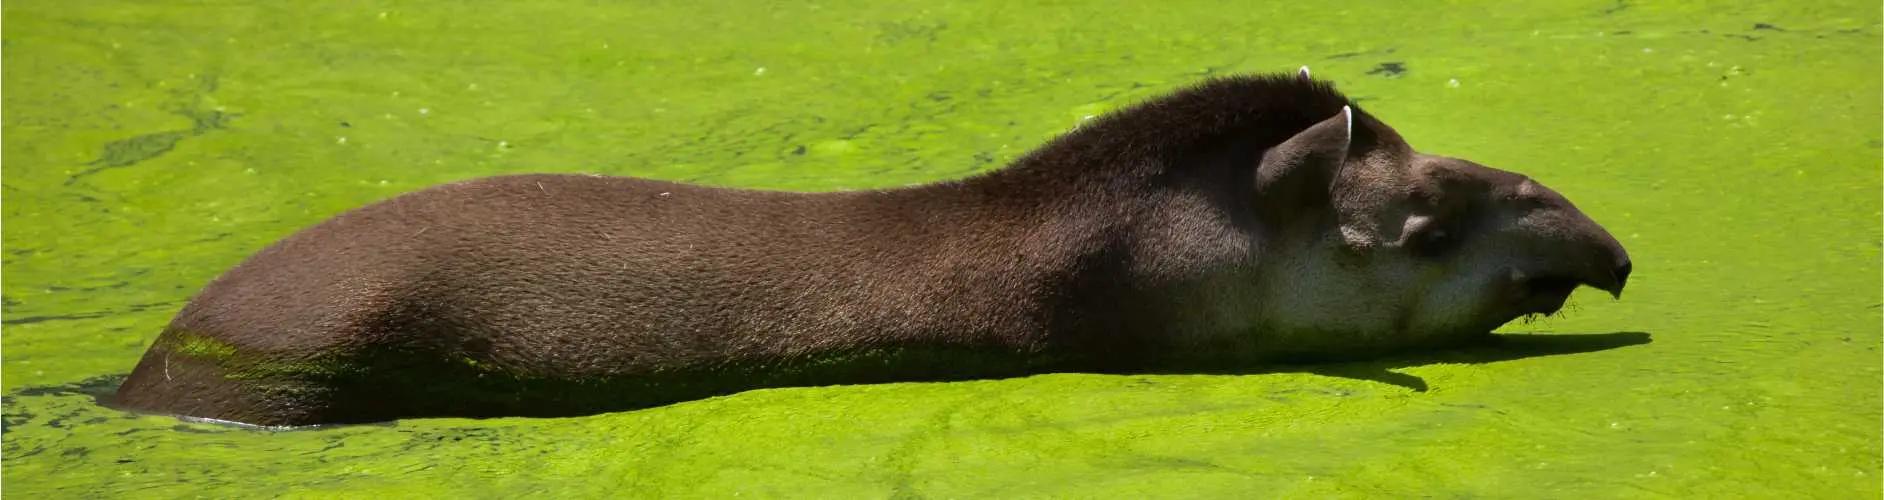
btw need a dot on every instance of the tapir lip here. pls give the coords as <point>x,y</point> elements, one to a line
<point>1546,294</point>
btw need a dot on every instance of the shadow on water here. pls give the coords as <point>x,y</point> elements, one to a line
<point>609,397</point>
<point>1496,348</point>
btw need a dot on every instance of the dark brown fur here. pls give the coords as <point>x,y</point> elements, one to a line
<point>552,295</point>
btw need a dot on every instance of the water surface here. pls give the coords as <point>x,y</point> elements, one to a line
<point>1732,146</point>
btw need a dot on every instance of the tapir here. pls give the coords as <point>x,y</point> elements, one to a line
<point>1237,221</point>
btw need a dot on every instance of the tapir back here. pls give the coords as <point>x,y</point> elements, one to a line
<point>574,277</point>
<point>599,273</point>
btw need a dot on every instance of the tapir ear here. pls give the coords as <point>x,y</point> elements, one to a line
<point>1302,170</point>
<point>1302,74</point>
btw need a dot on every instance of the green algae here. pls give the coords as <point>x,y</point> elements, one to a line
<point>1732,146</point>
<point>251,365</point>
<point>191,344</point>
<point>479,365</point>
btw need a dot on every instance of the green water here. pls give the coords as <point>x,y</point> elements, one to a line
<point>1734,147</point>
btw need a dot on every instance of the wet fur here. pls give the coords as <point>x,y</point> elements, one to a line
<point>1118,246</point>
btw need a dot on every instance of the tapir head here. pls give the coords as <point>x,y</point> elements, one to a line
<point>1383,240</point>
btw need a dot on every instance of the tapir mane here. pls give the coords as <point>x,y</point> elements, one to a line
<point>1246,113</point>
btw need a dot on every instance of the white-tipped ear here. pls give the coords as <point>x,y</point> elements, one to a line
<point>1301,172</point>
<point>1348,112</point>
<point>1302,74</point>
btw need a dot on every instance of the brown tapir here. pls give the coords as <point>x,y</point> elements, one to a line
<point>1242,220</point>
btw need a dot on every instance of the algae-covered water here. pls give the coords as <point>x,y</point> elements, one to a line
<point>1734,147</point>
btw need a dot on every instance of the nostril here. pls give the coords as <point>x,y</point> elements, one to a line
<point>1622,272</point>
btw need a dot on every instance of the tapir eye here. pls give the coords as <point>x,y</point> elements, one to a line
<point>1430,240</point>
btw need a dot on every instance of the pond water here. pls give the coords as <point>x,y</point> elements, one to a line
<point>1734,147</point>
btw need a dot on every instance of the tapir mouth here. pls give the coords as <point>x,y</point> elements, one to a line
<point>1546,295</point>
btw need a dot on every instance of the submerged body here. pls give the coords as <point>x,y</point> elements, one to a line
<point>1239,221</point>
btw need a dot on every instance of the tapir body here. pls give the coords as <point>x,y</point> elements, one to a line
<point>1241,220</point>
